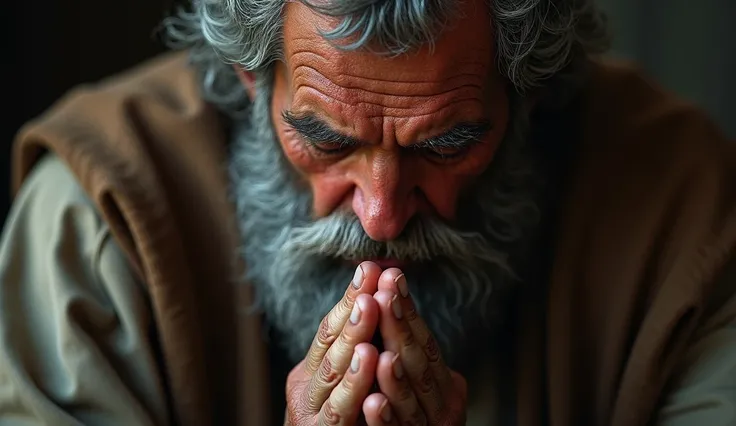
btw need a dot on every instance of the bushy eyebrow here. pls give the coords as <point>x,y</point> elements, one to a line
<point>316,131</point>
<point>461,135</point>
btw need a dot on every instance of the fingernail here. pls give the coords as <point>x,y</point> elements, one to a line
<point>358,277</point>
<point>402,285</point>
<point>355,363</point>
<point>386,412</point>
<point>355,314</point>
<point>396,306</point>
<point>396,366</point>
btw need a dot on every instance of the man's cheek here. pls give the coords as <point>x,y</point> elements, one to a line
<point>443,187</point>
<point>298,153</point>
<point>330,190</point>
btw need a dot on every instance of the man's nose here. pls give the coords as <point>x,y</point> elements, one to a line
<point>385,197</point>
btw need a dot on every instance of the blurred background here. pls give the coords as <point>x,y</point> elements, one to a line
<point>688,46</point>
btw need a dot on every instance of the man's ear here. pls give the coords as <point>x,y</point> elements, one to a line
<point>248,79</point>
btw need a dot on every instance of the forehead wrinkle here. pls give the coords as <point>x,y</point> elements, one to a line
<point>311,79</point>
<point>304,72</point>
<point>469,69</point>
<point>402,113</point>
<point>349,75</point>
<point>373,110</point>
<point>413,108</point>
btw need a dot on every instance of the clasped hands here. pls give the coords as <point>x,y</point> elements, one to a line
<point>333,384</point>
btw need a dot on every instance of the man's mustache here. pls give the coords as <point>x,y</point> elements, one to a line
<point>425,238</point>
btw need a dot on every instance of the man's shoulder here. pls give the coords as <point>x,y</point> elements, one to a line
<point>654,179</point>
<point>123,121</point>
<point>125,137</point>
<point>639,136</point>
<point>624,109</point>
<point>648,225</point>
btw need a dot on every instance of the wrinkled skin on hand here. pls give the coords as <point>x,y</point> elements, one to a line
<point>332,385</point>
<point>329,386</point>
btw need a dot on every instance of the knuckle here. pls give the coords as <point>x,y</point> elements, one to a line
<point>348,386</point>
<point>346,303</point>
<point>326,374</point>
<point>330,416</point>
<point>307,400</point>
<point>348,337</point>
<point>425,382</point>
<point>311,402</point>
<point>312,362</point>
<point>325,337</point>
<point>432,350</point>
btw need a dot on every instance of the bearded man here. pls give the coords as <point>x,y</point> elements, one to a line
<point>372,212</point>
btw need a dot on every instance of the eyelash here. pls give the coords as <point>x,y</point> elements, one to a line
<point>319,148</point>
<point>456,155</point>
<point>446,157</point>
<point>341,149</point>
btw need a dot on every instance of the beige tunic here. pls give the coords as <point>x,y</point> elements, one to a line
<point>75,327</point>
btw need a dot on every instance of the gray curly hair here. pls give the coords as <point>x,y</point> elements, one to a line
<point>536,40</point>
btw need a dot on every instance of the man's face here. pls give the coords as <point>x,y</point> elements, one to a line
<point>389,137</point>
<point>398,160</point>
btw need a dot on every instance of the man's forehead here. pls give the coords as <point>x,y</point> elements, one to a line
<point>464,47</point>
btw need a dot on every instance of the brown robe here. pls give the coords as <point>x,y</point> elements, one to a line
<point>646,224</point>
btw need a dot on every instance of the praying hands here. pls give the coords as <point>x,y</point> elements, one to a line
<point>333,384</point>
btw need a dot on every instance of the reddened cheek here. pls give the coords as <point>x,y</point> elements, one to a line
<point>331,193</point>
<point>327,181</point>
<point>479,158</point>
<point>296,152</point>
<point>443,184</point>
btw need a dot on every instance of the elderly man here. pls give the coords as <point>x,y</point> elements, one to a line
<point>380,212</point>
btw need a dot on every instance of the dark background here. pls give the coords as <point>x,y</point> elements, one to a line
<point>50,46</point>
<point>53,45</point>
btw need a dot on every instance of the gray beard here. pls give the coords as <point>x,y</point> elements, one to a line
<point>298,264</point>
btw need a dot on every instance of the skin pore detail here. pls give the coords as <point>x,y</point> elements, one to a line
<point>412,96</point>
<point>388,137</point>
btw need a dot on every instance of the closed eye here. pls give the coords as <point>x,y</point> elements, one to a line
<point>456,142</point>
<point>318,136</point>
